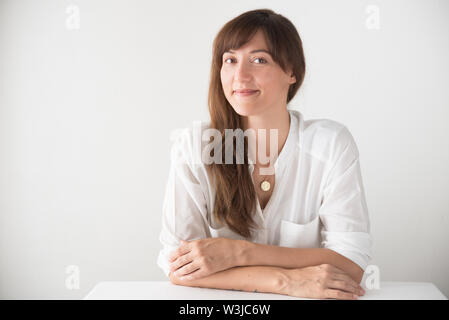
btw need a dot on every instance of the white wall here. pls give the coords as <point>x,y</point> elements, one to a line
<point>85,118</point>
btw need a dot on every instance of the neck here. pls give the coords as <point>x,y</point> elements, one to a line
<point>272,119</point>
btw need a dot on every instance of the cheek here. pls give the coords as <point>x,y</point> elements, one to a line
<point>265,79</point>
<point>271,82</point>
<point>225,78</point>
<point>226,83</point>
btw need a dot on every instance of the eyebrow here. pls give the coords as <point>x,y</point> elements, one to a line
<point>254,51</point>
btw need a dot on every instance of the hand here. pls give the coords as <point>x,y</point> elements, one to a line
<point>321,282</point>
<point>199,258</point>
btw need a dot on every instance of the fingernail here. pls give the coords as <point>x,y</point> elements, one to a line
<point>355,296</point>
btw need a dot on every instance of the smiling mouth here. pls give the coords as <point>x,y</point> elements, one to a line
<point>245,93</point>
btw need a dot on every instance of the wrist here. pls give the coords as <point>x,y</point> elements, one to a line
<point>243,253</point>
<point>282,280</point>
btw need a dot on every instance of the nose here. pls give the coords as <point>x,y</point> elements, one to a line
<point>242,71</point>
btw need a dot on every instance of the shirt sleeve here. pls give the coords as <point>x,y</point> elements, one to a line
<point>343,209</point>
<point>184,207</point>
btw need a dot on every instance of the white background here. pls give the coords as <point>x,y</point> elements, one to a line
<point>86,115</point>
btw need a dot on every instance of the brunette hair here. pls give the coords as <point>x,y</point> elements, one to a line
<point>235,197</point>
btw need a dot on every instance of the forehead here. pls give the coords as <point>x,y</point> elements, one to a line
<point>257,42</point>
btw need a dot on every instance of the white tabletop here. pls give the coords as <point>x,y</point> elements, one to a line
<point>165,290</point>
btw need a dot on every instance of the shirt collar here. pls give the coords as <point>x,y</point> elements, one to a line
<point>290,144</point>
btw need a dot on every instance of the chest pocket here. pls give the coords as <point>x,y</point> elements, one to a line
<point>294,235</point>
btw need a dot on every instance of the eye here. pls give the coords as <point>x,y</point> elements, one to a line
<point>261,59</point>
<point>264,61</point>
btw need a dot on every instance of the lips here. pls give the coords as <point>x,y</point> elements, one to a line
<point>244,91</point>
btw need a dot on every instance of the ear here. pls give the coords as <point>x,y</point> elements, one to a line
<point>292,78</point>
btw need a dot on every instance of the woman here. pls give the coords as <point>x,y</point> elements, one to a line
<point>301,229</point>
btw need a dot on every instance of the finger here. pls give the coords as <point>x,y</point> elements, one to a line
<point>341,273</point>
<point>342,285</point>
<point>186,269</point>
<point>337,270</point>
<point>338,294</point>
<point>193,275</point>
<point>196,274</point>
<point>181,261</point>
<point>347,278</point>
<point>181,250</point>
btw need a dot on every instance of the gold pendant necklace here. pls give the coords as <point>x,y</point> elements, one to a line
<point>265,185</point>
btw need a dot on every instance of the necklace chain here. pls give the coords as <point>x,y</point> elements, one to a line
<point>265,185</point>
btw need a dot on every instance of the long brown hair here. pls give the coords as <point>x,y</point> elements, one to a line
<point>235,197</point>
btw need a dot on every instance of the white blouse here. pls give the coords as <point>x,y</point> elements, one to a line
<point>318,200</point>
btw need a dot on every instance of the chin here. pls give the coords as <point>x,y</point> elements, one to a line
<point>246,111</point>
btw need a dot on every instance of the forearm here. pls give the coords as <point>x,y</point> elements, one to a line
<point>247,278</point>
<point>290,258</point>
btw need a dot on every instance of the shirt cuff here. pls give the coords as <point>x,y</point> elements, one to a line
<point>356,246</point>
<point>162,260</point>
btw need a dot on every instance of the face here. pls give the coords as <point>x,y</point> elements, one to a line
<point>246,69</point>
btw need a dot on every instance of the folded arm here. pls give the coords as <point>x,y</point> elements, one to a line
<point>270,255</point>
<point>322,281</point>
<point>249,279</point>
<point>203,257</point>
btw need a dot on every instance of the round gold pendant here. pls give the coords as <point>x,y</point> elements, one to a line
<point>265,185</point>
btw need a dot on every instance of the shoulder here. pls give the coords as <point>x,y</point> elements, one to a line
<point>325,139</point>
<point>186,143</point>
